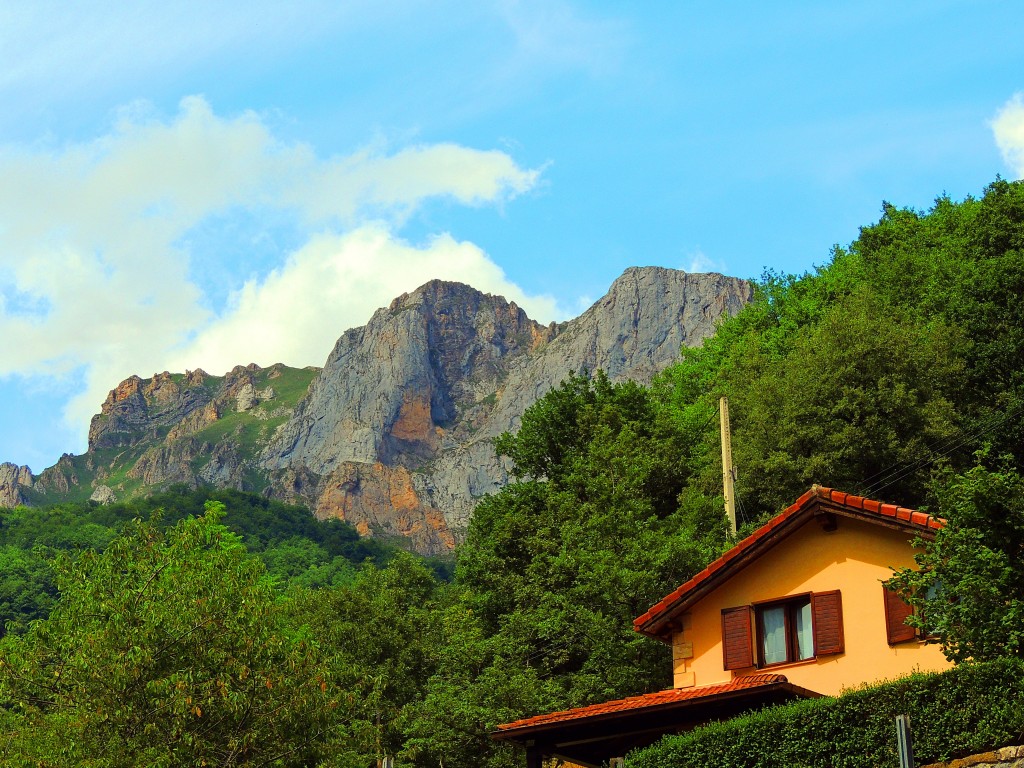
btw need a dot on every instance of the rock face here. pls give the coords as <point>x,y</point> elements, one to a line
<point>14,481</point>
<point>103,495</point>
<point>395,433</point>
<point>393,389</point>
<point>194,429</point>
<point>412,400</point>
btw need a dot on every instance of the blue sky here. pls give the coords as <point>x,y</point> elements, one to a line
<point>199,185</point>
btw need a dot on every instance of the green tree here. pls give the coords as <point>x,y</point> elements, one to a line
<point>475,684</point>
<point>589,536</point>
<point>864,389</point>
<point>900,355</point>
<point>27,591</point>
<point>374,634</point>
<point>968,591</point>
<point>168,649</point>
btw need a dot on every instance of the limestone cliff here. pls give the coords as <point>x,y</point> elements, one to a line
<point>395,433</point>
<point>406,407</point>
<point>14,482</point>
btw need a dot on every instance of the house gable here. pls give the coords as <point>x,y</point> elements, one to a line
<point>823,505</point>
<point>820,566</point>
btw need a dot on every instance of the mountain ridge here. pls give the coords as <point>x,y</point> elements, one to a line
<point>394,433</point>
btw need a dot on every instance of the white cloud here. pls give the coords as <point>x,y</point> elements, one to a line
<point>369,181</point>
<point>336,282</point>
<point>94,243</point>
<point>1008,128</point>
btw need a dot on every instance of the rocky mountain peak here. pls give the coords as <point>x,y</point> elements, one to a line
<point>395,432</point>
<point>406,407</point>
<point>393,389</point>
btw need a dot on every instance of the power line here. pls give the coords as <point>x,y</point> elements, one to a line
<point>953,442</point>
<point>896,472</point>
<point>901,470</point>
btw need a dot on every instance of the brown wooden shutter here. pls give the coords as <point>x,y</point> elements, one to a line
<point>827,612</point>
<point>896,614</point>
<point>737,648</point>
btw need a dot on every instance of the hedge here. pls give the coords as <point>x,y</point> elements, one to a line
<point>968,709</point>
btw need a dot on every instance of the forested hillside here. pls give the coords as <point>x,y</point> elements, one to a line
<point>294,546</point>
<point>900,356</point>
<point>895,370</point>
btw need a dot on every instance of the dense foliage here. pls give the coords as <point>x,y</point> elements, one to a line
<point>588,537</point>
<point>175,638</point>
<point>968,709</point>
<point>295,546</point>
<point>968,590</point>
<point>902,354</point>
<point>168,649</point>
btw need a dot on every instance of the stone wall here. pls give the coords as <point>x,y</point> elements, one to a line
<point>1007,757</point>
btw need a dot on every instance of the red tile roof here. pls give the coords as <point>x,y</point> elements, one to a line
<point>775,529</point>
<point>648,700</point>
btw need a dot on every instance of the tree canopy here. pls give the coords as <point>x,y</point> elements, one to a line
<point>166,649</point>
<point>901,355</point>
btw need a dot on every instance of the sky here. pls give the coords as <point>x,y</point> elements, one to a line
<point>200,185</point>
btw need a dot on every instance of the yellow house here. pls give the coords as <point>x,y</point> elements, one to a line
<point>797,609</point>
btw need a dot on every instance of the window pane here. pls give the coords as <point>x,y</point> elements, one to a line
<point>804,633</point>
<point>773,644</point>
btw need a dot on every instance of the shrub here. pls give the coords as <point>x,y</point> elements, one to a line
<point>971,708</point>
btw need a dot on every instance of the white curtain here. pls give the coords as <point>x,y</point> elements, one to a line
<point>773,644</point>
<point>804,635</point>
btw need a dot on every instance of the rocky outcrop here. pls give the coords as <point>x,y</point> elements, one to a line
<point>399,388</point>
<point>140,411</point>
<point>168,463</point>
<point>195,421</point>
<point>14,481</point>
<point>193,429</point>
<point>59,480</point>
<point>428,383</point>
<point>636,330</point>
<point>1007,757</point>
<point>103,494</point>
<point>137,410</point>
<point>383,500</point>
<point>226,468</point>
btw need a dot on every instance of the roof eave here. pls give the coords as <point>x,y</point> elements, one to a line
<point>658,625</point>
<point>815,503</point>
<point>529,731</point>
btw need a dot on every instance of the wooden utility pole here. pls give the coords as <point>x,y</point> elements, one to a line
<point>728,476</point>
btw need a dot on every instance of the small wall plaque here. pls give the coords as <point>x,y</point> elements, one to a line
<point>683,650</point>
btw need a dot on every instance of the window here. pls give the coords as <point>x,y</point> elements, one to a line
<point>929,631</point>
<point>782,631</point>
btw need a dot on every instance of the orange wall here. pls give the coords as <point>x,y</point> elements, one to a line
<point>854,559</point>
